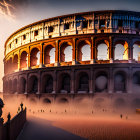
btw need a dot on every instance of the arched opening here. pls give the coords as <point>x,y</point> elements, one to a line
<point>83,83</point>
<point>84,51</point>
<point>15,86</point>
<point>24,60</point>
<point>22,85</point>
<point>136,103</point>
<point>10,67</point>
<point>47,84</point>
<point>101,82</point>
<point>35,57</point>
<point>102,50</point>
<point>33,82</point>
<point>10,87</point>
<point>119,103</point>
<point>136,51</point>
<point>47,101</point>
<point>63,100</point>
<point>121,50</point>
<point>120,82</point>
<point>15,62</point>
<point>49,55</point>
<point>136,82</point>
<point>65,83</point>
<point>66,52</point>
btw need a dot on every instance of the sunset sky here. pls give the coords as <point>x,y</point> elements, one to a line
<point>15,14</point>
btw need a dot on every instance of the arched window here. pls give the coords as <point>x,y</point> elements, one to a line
<point>47,84</point>
<point>49,55</point>
<point>101,83</point>
<point>15,62</point>
<point>83,83</point>
<point>24,60</point>
<point>102,52</point>
<point>66,52</point>
<point>33,81</point>
<point>86,53</point>
<point>121,51</point>
<point>65,83</point>
<point>35,57</point>
<point>119,82</point>
<point>136,52</point>
<point>22,85</point>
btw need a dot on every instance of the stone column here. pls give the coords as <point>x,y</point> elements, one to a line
<point>95,50</point>
<point>19,58</point>
<point>39,83</point>
<point>92,61</point>
<point>110,24</point>
<point>111,49</point>
<point>74,60</point>
<point>91,82</point>
<point>130,51</point>
<point>72,82</point>
<point>129,81</point>
<point>57,53</point>
<point>29,58</point>
<point>55,83</point>
<point>93,23</point>
<point>41,55</point>
<point>111,81</point>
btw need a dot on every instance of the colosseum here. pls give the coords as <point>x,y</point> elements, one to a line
<point>76,55</point>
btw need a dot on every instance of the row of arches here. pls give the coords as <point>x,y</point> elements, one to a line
<point>65,83</point>
<point>66,54</point>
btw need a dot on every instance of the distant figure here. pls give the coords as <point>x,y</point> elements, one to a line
<point>1,106</point>
<point>126,117</point>
<point>121,116</point>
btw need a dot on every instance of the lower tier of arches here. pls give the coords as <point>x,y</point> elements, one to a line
<point>78,79</point>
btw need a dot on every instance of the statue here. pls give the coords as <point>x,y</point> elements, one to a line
<point>1,106</point>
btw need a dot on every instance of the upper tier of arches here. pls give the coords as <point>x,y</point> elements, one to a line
<point>123,22</point>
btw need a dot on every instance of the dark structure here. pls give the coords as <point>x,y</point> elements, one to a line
<point>77,54</point>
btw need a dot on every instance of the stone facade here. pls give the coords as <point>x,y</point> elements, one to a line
<point>27,73</point>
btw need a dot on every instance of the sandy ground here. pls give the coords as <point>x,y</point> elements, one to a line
<point>64,122</point>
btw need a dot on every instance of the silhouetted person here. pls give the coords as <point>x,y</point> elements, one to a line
<point>121,116</point>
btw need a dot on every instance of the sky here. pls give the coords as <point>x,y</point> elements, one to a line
<point>15,14</point>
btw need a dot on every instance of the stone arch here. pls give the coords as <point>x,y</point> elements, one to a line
<point>24,60</point>
<point>10,68</point>
<point>64,83</point>
<point>83,82</point>
<point>15,86</point>
<point>33,84</point>
<point>47,83</point>
<point>136,51</point>
<point>119,103</point>
<point>102,50</point>
<point>49,54</point>
<point>136,82</point>
<point>84,50</point>
<point>35,57</point>
<point>15,62</point>
<point>121,50</point>
<point>136,103</point>
<point>120,81</point>
<point>66,52</point>
<point>101,82</point>
<point>23,85</point>
<point>47,101</point>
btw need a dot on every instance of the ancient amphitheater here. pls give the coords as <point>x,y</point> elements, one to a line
<point>70,56</point>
